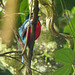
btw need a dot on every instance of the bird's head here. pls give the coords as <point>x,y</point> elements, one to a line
<point>27,17</point>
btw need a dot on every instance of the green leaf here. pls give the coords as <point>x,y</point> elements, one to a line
<point>4,70</point>
<point>66,4</point>
<point>67,29</point>
<point>24,8</point>
<point>65,70</point>
<point>72,25</point>
<point>64,56</point>
<point>23,5</point>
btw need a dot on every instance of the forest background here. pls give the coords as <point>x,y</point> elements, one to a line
<point>54,50</point>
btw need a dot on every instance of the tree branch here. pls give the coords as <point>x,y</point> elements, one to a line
<point>33,31</point>
<point>32,40</point>
<point>14,58</point>
<point>3,54</point>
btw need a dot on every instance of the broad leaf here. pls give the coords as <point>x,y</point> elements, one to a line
<point>64,56</point>
<point>24,8</point>
<point>65,70</point>
<point>23,5</point>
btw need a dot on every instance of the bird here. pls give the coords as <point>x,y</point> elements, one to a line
<point>23,29</point>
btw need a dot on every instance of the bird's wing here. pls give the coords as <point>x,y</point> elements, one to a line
<point>25,27</point>
<point>27,24</point>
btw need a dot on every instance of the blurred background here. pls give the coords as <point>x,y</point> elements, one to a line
<point>12,16</point>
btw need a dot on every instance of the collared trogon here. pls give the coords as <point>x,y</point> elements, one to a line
<point>23,29</point>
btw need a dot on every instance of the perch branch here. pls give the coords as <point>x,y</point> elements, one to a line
<point>10,52</point>
<point>14,58</point>
<point>4,54</point>
<point>33,31</point>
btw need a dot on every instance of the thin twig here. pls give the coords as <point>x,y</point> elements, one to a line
<point>14,14</point>
<point>14,58</point>
<point>10,52</point>
<point>24,52</point>
<point>4,54</point>
<point>23,64</point>
<point>69,16</point>
<point>71,21</point>
<point>66,18</point>
<point>37,71</point>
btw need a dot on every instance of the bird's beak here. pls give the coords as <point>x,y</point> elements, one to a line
<point>39,15</point>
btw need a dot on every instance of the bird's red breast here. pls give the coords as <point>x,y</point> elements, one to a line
<point>38,31</point>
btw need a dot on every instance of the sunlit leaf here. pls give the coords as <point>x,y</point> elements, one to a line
<point>65,70</point>
<point>67,29</point>
<point>64,56</point>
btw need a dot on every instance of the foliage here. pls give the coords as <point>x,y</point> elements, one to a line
<point>45,46</point>
<point>8,64</point>
<point>67,4</point>
<point>72,24</point>
<point>64,56</point>
<point>4,70</point>
<point>65,70</point>
<point>24,9</point>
